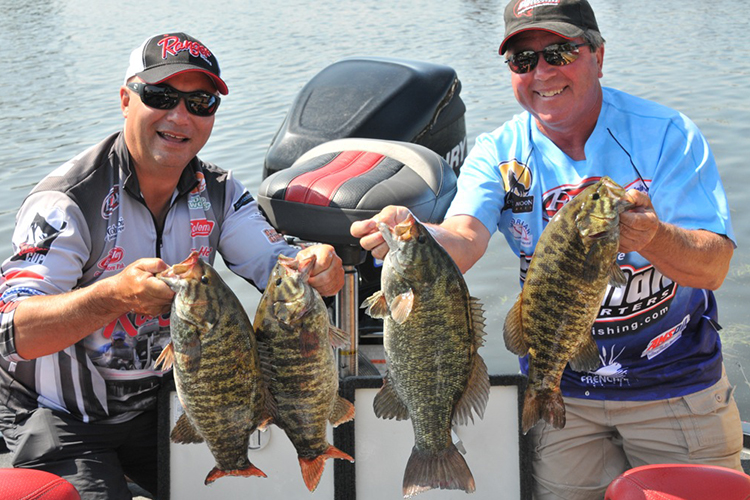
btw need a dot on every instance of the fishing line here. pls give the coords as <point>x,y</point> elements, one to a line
<point>643,182</point>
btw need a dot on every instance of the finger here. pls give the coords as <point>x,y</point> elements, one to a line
<point>372,241</point>
<point>151,265</point>
<point>324,256</point>
<point>329,282</point>
<point>362,228</point>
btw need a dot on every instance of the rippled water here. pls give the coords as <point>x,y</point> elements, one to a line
<point>64,61</point>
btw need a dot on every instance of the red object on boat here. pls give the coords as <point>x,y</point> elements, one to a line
<point>31,484</point>
<point>679,482</point>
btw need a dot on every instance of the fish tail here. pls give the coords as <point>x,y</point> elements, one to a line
<point>248,471</point>
<point>546,404</point>
<point>312,468</point>
<point>446,469</point>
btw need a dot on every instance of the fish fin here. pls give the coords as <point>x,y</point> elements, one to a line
<point>376,306</point>
<point>343,411</point>
<point>166,358</point>
<point>544,405</point>
<point>401,306</point>
<point>587,356</point>
<point>184,432</point>
<point>338,338</point>
<point>476,394</point>
<point>616,277</point>
<point>446,469</point>
<point>265,357</point>
<point>387,404</point>
<point>312,468</point>
<point>248,471</point>
<point>477,391</point>
<point>513,330</point>
<point>270,413</point>
<point>265,422</point>
<point>477,321</point>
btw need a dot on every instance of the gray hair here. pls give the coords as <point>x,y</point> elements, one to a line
<point>594,39</point>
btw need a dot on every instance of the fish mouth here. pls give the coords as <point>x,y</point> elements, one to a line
<point>403,231</point>
<point>303,267</point>
<point>177,272</point>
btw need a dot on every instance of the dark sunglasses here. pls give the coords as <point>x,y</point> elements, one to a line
<point>557,54</point>
<point>198,103</point>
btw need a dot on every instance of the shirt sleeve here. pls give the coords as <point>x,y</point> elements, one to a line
<point>249,245</point>
<point>50,247</point>
<point>687,190</point>
<point>481,192</point>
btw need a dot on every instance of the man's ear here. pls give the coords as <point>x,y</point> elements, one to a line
<point>124,101</point>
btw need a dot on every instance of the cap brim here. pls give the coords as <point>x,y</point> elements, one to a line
<point>161,73</point>
<point>565,30</point>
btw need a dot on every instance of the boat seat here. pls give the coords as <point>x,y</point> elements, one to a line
<point>341,181</point>
<point>32,484</point>
<point>679,482</point>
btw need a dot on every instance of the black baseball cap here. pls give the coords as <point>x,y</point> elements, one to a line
<point>567,18</point>
<point>162,56</point>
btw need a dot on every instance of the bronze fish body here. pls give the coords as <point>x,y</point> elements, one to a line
<point>433,329</point>
<point>573,262</point>
<point>216,367</point>
<point>296,343</point>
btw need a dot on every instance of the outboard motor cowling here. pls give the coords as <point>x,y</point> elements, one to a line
<point>378,98</point>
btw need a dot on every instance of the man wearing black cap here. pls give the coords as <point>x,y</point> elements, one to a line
<point>88,241</point>
<point>660,394</point>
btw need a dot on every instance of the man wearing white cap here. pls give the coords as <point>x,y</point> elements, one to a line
<point>660,394</point>
<point>88,241</point>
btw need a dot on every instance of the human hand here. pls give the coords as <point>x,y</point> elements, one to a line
<point>138,290</point>
<point>327,274</point>
<point>639,224</point>
<point>367,230</point>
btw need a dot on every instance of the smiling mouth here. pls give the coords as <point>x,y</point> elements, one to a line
<point>167,135</point>
<point>550,93</point>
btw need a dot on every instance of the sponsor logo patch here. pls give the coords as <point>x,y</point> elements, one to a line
<point>39,238</point>
<point>525,7</point>
<point>201,183</point>
<point>244,200</point>
<point>556,198</point>
<point>113,260</point>
<point>115,229</point>
<point>517,183</point>
<point>111,202</point>
<point>662,342</point>
<point>272,235</point>
<point>199,202</point>
<point>201,227</point>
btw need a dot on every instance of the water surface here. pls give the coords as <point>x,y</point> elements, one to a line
<point>65,60</point>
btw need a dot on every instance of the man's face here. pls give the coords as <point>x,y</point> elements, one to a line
<point>559,97</point>
<point>166,139</point>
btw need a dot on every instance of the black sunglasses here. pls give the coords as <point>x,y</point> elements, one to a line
<point>198,103</point>
<point>557,54</point>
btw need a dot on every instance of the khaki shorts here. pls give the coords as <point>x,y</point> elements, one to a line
<point>602,439</point>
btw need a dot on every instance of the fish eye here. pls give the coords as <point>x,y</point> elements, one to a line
<point>278,282</point>
<point>204,279</point>
<point>595,196</point>
<point>421,238</point>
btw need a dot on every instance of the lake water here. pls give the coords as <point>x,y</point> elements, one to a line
<point>64,61</point>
